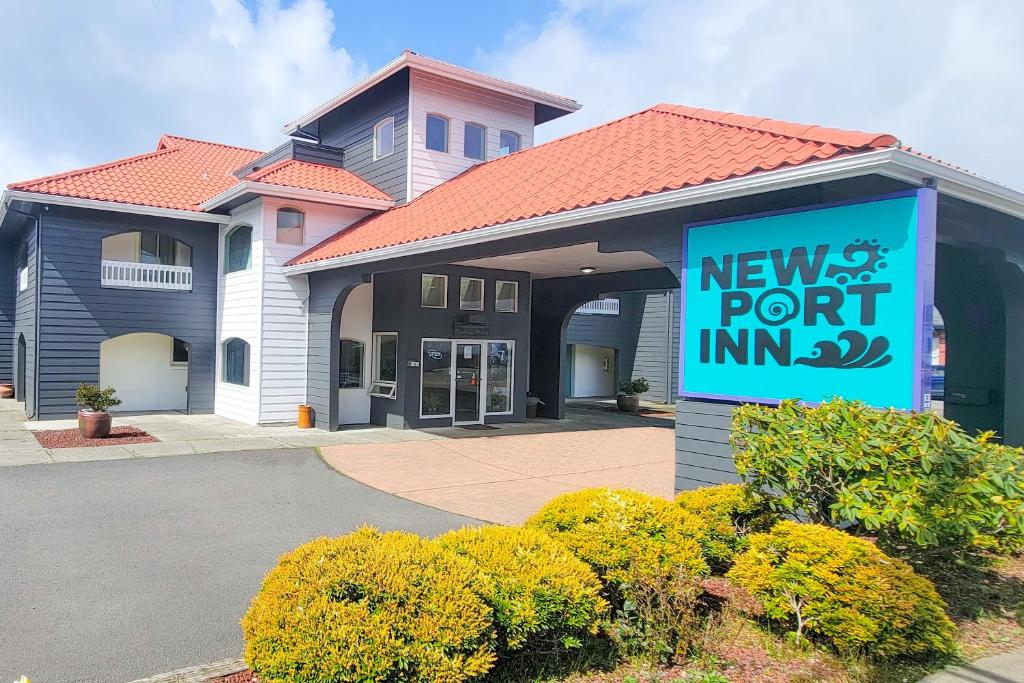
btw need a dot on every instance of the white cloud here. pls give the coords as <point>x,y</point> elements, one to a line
<point>88,82</point>
<point>943,76</point>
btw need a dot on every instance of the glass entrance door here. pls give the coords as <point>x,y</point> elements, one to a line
<point>468,377</point>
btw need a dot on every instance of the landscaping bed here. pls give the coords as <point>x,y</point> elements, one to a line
<point>72,438</point>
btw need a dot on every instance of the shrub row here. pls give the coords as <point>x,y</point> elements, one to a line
<point>373,606</point>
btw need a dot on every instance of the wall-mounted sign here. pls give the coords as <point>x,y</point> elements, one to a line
<point>463,330</point>
<point>822,301</point>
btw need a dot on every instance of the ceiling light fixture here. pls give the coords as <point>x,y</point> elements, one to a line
<point>587,270</point>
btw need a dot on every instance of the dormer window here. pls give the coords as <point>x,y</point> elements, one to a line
<point>384,138</point>
<point>474,141</point>
<point>508,142</point>
<point>437,133</point>
<point>290,226</point>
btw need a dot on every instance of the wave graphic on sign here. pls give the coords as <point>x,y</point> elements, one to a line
<point>859,354</point>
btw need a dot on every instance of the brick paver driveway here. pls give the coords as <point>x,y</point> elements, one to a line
<point>118,569</point>
<point>506,478</point>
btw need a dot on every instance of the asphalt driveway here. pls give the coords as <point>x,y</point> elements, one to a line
<point>114,570</point>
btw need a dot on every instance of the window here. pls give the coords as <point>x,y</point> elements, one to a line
<point>179,352</point>
<point>471,294</point>
<point>385,364</point>
<point>350,367</point>
<point>506,297</point>
<point>384,138</point>
<point>235,360</point>
<point>437,133</point>
<point>475,142</point>
<point>499,377</point>
<point>434,291</point>
<point>290,226</point>
<point>146,247</point>
<point>23,269</point>
<point>436,378</point>
<point>237,249</point>
<point>508,142</point>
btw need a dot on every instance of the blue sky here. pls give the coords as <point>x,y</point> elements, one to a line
<point>87,82</point>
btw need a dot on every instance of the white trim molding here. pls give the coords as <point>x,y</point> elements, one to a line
<point>99,204</point>
<point>893,163</point>
<point>295,193</point>
<point>434,66</point>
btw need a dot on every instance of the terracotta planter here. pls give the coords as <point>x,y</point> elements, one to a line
<point>6,391</point>
<point>628,403</point>
<point>93,424</point>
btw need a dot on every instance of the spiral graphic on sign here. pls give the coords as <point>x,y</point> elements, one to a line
<point>776,306</point>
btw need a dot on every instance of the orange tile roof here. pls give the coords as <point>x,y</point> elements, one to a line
<point>310,176</point>
<point>181,174</point>
<point>666,147</point>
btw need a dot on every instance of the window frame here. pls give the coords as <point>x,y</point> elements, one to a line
<point>362,362</point>
<point>375,380</point>
<point>483,293</point>
<point>227,248</point>
<point>21,268</point>
<point>247,349</point>
<point>444,306</point>
<point>447,132</point>
<point>483,140</point>
<point>515,297</point>
<point>376,137</point>
<point>519,142</point>
<point>277,226</point>
<point>450,415</point>
<point>511,375</point>
<point>188,352</point>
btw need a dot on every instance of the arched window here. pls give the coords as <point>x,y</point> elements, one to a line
<point>508,142</point>
<point>384,138</point>
<point>237,249</point>
<point>474,142</point>
<point>437,133</point>
<point>290,226</point>
<point>235,361</point>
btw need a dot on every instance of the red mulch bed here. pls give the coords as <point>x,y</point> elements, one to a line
<point>244,676</point>
<point>72,438</point>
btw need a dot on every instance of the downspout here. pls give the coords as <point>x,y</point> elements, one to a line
<point>38,287</point>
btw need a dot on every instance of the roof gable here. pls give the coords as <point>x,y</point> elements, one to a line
<point>665,147</point>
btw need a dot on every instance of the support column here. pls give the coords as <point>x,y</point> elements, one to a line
<point>327,293</point>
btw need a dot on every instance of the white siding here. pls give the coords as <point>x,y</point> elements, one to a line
<point>282,312</point>
<point>239,315</point>
<point>460,103</point>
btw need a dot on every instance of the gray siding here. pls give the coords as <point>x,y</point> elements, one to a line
<point>350,128</point>
<point>25,318</point>
<point>396,308</point>
<point>76,314</point>
<point>8,289</point>
<point>703,453</point>
<point>653,346</point>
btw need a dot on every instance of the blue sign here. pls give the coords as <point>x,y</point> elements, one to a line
<point>817,302</point>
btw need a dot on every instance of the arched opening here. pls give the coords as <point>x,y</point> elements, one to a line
<point>355,334</point>
<point>148,370</point>
<point>19,377</point>
<point>591,371</point>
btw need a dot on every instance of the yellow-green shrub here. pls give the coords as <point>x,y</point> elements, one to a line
<point>730,512</point>
<point>544,598</point>
<point>844,589</point>
<point>370,606</point>
<point>625,535</point>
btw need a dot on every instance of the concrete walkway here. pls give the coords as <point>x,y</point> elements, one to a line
<point>1004,668</point>
<point>506,478</point>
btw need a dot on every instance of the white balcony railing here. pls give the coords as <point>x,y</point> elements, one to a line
<point>145,275</point>
<point>599,307</point>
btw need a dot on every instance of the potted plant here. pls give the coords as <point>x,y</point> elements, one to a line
<point>628,399</point>
<point>93,418</point>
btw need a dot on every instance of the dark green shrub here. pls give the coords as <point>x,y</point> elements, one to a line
<point>632,387</point>
<point>909,478</point>
<point>825,582</point>
<point>91,397</point>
